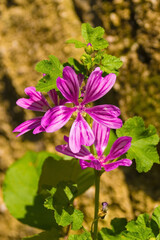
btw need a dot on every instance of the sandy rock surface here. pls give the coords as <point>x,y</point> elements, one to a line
<point>30,32</point>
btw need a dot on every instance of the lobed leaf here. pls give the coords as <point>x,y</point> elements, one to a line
<point>48,235</point>
<point>143,145</point>
<point>27,180</point>
<point>84,236</point>
<point>94,36</point>
<point>155,222</point>
<point>78,67</point>
<point>110,64</point>
<point>53,69</point>
<point>60,201</point>
<point>77,43</point>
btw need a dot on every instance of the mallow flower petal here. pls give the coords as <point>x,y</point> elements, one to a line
<point>28,125</point>
<point>53,96</point>
<point>97,86</point>
<point>101,134</point>
<point>119,147</point>
<point>106,115</point>
<point>111,166</point>
<point>56,117</point>
<point>82,154</point>
<point>36,96</point>
<point>36,102</point>
<point>80,134</point>
<point>69,85</point>
<point>93,164</point>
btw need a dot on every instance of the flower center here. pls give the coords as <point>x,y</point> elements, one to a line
<point>80,109</point>
<point>100,158</point>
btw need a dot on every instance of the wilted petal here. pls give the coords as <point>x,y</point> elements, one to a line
<point>106,114</point>
<point>53,96</point>
<point>93,164</point>
<point>82,154</point>
<point>28,125</point>
<point>69,85</point>
<point>80,134</point>
<point>101,134</point>
<point>97,86</point>
<point>36,102</point>
<point>119,147</point>
<point>56,117</point>
<point>111,166</point>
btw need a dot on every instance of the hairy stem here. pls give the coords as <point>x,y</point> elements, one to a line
<point>97,185</point>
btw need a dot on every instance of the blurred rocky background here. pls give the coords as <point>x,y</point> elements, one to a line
<point>32,30</point>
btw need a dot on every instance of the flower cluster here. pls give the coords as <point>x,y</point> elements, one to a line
<point>78,94</point>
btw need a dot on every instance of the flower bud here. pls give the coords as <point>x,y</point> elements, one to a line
<point>89,49</point>
<point>83,59</point>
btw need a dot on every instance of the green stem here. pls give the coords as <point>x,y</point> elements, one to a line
<point>97,184</point>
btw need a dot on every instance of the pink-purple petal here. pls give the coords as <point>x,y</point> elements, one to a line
<point>53,96</point>
<point>101,134</point>
<point>93,164</point>
<point>82,154</point>
<point>36,96</point>
<point>36,102</point>
<point>80,79</point>
<point>97,86</point>
<point>80,134</point>
<point>28,125</point>
<point>119,147</point>
<point>56,117</point>
<point>111,166</point>
<point>106,115</point>
<point>69,85</point>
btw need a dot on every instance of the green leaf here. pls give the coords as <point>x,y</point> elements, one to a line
<point>94,36</point>
<point>155,221</point>
<point>139,229</point>
<point>77,219</point>
<point>108,234</point>
<point>53,69</point>
<point>84,236</point>
<point>27,180</point>
<point>64,217</point>
<point>20,191</point>
<point>110,64</point>
<point>143,145</point>
<point>78,67</point>
<point>118,226</point>
<point>61,202</point>
<point>48,235</point>
<point>77,43</point>
<point>87,60</point>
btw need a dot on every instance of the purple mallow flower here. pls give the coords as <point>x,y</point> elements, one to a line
<point>96,87</point>
<point>36,102</point>
<point>109,162</point>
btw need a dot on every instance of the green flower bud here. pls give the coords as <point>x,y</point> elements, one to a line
<point>89,49</point>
